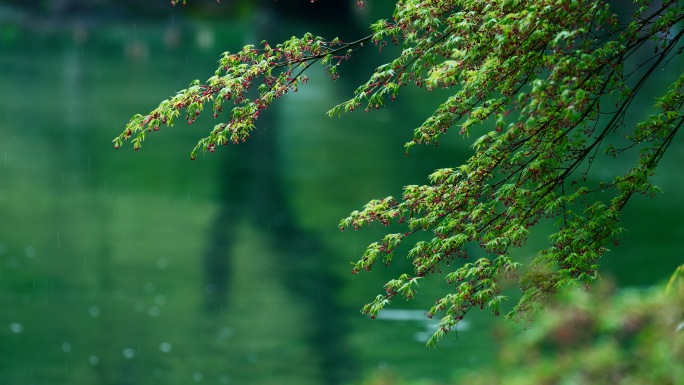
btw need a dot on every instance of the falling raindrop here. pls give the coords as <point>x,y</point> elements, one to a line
<point>153,311</point>
<point>162,263</point>
<point>159,299</point>
<point>30,251</point>
<point>3,249</point>
<point>224,379</point>
<point>94,311</point>
<point>66,347</point>
<point>165,347</point>
<point>128,353</point>
<point>205,39</point>
<point>197,376</point>
<point>93,360</point>
<point>225,332</point>
<point>139,306</point>
<point>16,327</point>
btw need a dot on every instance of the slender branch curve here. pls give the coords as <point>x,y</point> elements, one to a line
<point>532,76</point>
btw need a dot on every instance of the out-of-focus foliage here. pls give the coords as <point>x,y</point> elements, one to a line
<point>676,281</point>
<point>598,337</point>
<point>629,337</point>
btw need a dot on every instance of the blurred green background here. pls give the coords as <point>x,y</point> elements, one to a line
<point>123,267</point>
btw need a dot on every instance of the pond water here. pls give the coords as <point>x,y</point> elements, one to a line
<point>123,267</point>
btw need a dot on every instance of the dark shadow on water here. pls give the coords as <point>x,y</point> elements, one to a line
<point>251,189</point>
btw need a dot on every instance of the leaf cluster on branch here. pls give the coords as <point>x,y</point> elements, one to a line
<point>545,85</point>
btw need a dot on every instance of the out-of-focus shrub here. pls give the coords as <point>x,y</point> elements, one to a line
<point>630,336</point>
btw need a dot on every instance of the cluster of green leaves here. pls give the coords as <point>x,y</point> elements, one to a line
<point>276,70</point>
<point>546,82</point>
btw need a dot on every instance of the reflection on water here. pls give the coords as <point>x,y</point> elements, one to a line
<point>122,267</point>
<point>429,325</point>
<point>128,268</point>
